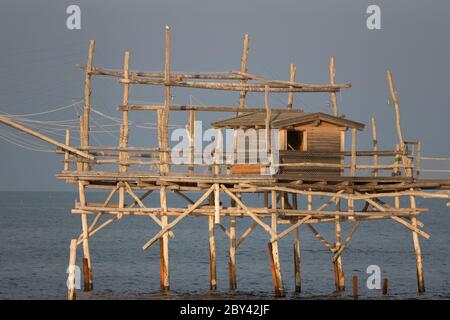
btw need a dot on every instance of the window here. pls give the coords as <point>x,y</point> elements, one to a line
<point>294,140</point>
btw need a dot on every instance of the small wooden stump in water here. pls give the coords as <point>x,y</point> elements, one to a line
<point>385,286</point>
<point>355,287</point>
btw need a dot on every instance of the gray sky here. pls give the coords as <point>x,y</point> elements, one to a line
<point>38,54</point>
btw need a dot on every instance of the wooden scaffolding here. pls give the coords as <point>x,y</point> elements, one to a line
<point>290,199</point>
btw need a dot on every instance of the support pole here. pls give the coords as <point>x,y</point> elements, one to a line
<point>355,287</point>
<point>84,141</point>
<point>297,252</point>
<point>88,284</point>
<point>274,247</point>
<point>417,250</point>
<point>191,128</point>
<point>165,114</point>
<point>212,255</point>
<point>375,146</point>
<point>333,94</point>
<point>397,110</point>
<point>164,243</point>
<point>66,154</point>
<point>338,268</point>
<point>353,165</point>
<point>244,60</point>
<point>71,295</point>
<point>290,101</point>
<point>232,261</point>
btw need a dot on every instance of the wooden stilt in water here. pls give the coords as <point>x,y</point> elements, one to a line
<point>88,284</point>
<point>164,243</point>
<point>273,270</point>
<point>232,262</point>
<point>212,255</point>
<point>274,246</point>
<point>385,286</point>
<point>417,250</point>
<point>355,287</point>
<point>297,252</point>
<point>339,270</point>
<point>71,295</point>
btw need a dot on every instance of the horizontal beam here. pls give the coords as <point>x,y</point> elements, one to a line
<point>200,108</point>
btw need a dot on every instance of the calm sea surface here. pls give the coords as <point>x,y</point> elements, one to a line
<point>36,228</point>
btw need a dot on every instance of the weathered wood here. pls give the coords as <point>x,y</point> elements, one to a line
<point>274,247</point>
<point>248,211</point>
<point>84,141</point>
<point>385,286</point>
<point>417,250</point>
<point>38,135</point>
<point>124,128</point>
<point>85,228</point>
<point>337,263</point>
<point>333,94</point>
<point>191,131</point>
<point>290,99</point>
<point>232,255</point>
<point>353,165</point>
<point>71,295</point>
<point>355,287</point>
<point>66,154</point>
<point>212,255</point>
<point>397,110</point>
<point>375,146</point>
<point>164,242</point>
<point>244,60</point>
<point>167,227</point>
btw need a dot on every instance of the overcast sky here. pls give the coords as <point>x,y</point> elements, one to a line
<point>38,56</point>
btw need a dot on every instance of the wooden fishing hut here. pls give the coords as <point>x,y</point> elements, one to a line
<point>320,179</point>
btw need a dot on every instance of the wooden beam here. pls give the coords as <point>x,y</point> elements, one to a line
<point>179,218</point>
<point>38,135</point>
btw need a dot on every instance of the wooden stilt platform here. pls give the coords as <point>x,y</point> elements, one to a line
<point>316,180</point>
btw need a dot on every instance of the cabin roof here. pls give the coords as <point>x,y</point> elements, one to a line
<point>283,119</point>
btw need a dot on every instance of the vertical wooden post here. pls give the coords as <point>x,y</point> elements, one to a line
<point>212,255</point>
<point>418,161</point>
<point>274,246</point>
<point>353,165</point>
<point>232,262</point>
<point>339,270</point>
<point>417,249</point>
<point>191,128</point>
<point>216,203</point>
<point>355,287</point>
<point>266,199</point>
<point>375,146</point>
<point>290,101</point>
<point>297,251</point>
<point>123,155</point>
<point>66,154</point>
<point>244,60</point>
<point>84,224</point>
<point>267,125</point>
<point>385,286</point>
<point>333,94</point>
<point>397,110</point>
<point>84,138</point>
<point>164,242</point>
<point>165,114</point>
<point>71,295</point>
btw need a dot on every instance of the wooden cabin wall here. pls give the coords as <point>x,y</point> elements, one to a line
<point>323,138</point>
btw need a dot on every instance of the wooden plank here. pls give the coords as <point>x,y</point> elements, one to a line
<point>38,135</point>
